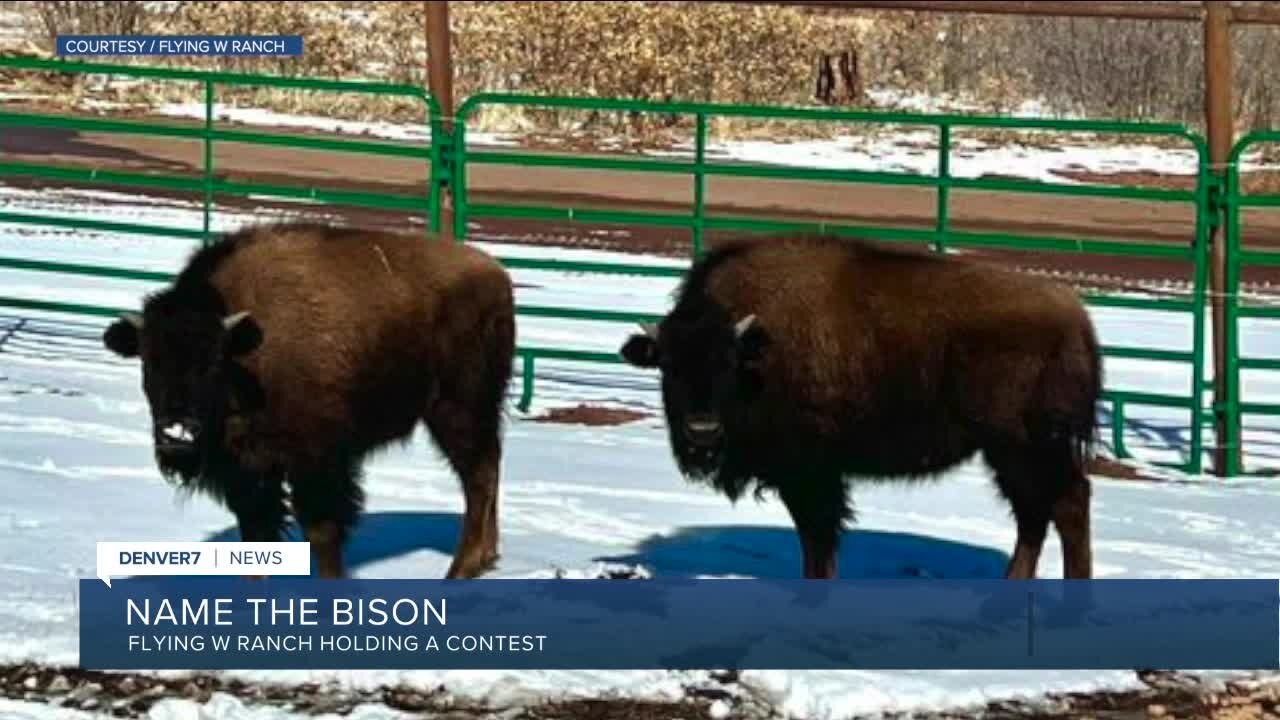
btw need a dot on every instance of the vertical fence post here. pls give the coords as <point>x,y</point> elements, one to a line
<point>440,81</point>
<point>699,184</point>
<point>944,186</point>
<point>1219,125</point>
<point>459,181</point>
<point>1117,430</point>
<point>208,157</point>
<point>526,382</point>
<point>434,165</point>
<point>1204,209</point>
<point>1231,239</point>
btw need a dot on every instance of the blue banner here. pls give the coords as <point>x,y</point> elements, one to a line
<point>174,45</point>
<point>288,623</point>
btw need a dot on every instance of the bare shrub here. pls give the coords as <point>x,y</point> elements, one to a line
<point>104,17</point>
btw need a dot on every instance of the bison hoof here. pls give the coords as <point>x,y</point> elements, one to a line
<point>471,568</point>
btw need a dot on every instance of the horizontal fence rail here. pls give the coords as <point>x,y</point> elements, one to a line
<point>447,160</point>
<point>698,220</point>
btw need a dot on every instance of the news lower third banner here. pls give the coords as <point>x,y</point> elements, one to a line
<point>287,623</point>
<point>179,45</point>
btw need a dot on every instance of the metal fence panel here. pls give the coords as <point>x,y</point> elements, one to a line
<point>447,160</point>
<point>940,237</point>
<point>1238,259</point>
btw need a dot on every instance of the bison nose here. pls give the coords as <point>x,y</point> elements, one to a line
<point>702,429</point>
<point>176,434</point>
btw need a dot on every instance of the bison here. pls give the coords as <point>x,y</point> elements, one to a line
<point>795,364</point>
<point>283,355</point>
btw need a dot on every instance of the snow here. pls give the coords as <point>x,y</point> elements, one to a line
<point>76,467</point>
<point>573,498</point>
<point>901,150</point>
<point>264,117</point>
<point>13,26</point>
<point>915,152</point>
<point>941,103</point>
<point>219,707</point>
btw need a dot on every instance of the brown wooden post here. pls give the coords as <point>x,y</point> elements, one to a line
<point>440,83</point>
<point>1220,127</point>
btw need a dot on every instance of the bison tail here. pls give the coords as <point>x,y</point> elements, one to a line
<point>1088,431</point>
<point>1067,399</point>
<point>501,344</point>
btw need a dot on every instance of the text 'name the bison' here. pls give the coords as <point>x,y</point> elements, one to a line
<point>289,612</point>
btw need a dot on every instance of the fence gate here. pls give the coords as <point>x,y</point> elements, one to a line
<point>1252,321</point>
<point>940,237</point>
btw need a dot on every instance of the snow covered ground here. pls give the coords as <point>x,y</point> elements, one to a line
<point>262,117</point>
<point>76,467</point>
<point>905,149</point>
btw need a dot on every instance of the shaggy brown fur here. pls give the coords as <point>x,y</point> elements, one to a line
<point>878,362</point>
<point>359,337</point>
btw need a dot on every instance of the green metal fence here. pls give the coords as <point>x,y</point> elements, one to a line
<point>448,159</point>
<point>206,183</point>
<point>698,220</point>
<point>1239,258</point>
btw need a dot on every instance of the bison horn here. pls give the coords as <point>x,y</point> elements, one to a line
<point>650,329</point>
<point>133,319</point>
<point>744,325</point>
<point>231,321</point>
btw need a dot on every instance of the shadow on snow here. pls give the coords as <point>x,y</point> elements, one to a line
<point>380,536</point>
<point>774,552</point>
<point>719,550</point>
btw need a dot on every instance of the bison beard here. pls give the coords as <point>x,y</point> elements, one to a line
<point>282,356</point>
<point>795,364</point>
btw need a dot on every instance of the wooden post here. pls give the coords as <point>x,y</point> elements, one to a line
<point>1220,127</point>
<point>440,83</point>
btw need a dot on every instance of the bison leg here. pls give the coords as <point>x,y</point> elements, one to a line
<point>326,540</point>
<point>1032,527</point>
<point>327,503</point>
<point>474,450</point>
<point>478,543</point>
<point>464,417</point>
<point>258,504</point>
<point>1071,519</point>
<point>1031,482</point>
<point>818,506</point>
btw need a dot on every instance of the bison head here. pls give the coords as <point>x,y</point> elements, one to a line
<point>188,374</point>
<point>710,369</point>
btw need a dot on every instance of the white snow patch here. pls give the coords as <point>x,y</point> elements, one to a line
<point>265,117</point>
<point>226,707</point>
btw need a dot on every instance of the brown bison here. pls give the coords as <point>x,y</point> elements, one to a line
<point>282,356</point>
<point>793,363</point>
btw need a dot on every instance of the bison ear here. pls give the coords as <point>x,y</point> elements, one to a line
<point>121,337</point>
<point>641,351</point>
<point>751,338</point>
<point>241,334</point>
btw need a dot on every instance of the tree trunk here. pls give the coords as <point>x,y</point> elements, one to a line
<point>851,79</point>
<point>824,92</point>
